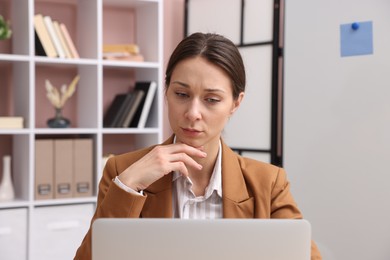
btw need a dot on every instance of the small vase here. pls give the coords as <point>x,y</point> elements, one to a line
<point>58,121</point>
<point>6,188</point>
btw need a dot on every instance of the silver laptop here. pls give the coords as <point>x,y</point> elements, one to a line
<point>223,239</point>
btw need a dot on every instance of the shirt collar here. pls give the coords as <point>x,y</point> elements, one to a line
<point>215,183</point>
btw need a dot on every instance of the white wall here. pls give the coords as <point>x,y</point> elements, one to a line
<point>337,126</point>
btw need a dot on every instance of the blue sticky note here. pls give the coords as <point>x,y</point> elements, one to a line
<point>356,39</point>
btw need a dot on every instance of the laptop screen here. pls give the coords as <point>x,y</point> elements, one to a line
<point>281,239</point>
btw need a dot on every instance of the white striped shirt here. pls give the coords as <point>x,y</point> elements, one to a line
<point>187,206</point>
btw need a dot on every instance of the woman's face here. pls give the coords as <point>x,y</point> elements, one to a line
<point>200,102</point>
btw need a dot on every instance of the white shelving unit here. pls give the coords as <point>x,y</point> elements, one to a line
<point>91,23</point>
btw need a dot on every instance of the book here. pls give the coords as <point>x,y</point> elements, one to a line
<point>120,117</point>
<point>39,49</point>
<point>121,56</point>
<point>44,37</point>
<point>7,122</point>
<point>127,52</point>
<point>150,93</point>
<point>127,48</point>
<point>142,112</point>
<point>135,102</point>
<point>112,115</point>
<point>58,31</point>
<point>56,41</point>
<point>69,41</point>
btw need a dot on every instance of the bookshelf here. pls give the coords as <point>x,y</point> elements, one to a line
<point>91,23</point>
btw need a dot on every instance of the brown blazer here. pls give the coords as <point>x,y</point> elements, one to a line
<point>250,189</point>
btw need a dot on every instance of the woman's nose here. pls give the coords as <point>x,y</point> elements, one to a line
<point>194,110</point>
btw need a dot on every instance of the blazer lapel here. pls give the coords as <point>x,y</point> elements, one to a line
<point>237,203</point>
<point>159,199</point>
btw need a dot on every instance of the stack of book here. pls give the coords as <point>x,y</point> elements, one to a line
<point>128,52</point>
<point>52,38</point>
<point>131,109</point>
<point>14,122</point>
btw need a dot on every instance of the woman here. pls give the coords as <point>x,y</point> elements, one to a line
<point>194,174</point>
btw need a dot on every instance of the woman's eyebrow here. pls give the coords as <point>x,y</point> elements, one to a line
<point>185,85</point>
<point>213,90</point>
<point>181,83</point>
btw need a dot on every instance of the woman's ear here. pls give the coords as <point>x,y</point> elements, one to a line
<point>237,103</point>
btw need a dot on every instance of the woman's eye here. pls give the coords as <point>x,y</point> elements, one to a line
<point>180,94</point>
<point>212,100</point>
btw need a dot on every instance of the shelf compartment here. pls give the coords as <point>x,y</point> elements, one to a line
<point>76,172</point>
<point>136,22</point>
<point>119,80</point>
<point>57,231</point>
<point>16,12</point>
<point>81,108</point>
<point>17,146</point>
<point>14,100</point>
<point>13,233</point>
<point>80,18</point>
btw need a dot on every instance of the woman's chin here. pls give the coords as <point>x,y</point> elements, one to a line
<point>188,141</point>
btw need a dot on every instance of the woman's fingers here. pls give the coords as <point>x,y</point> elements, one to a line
<point>184,148</point>
<point>186,159</point>
<point>178,153</point>
<point>180,167</point>
<point>161,161</point>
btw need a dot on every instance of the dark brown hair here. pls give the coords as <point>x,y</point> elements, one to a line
<point>215,48</point>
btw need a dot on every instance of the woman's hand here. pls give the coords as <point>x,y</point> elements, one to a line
<point>159,162</point>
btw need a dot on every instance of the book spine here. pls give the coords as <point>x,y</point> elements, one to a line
<point>69,41</point>
<point>147,105</point>
<point>122,114</point>
<point>39,49</point>
<point>112,114</point>
<point>62,39</point>
<point>53,36</point>
<point>139,95</point>
<point>44,36</point>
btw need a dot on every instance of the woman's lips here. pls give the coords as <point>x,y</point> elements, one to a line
<point>191,132</point>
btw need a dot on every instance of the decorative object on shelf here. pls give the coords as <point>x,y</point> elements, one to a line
<point>5,30</point>
<point>58,121</point>
<point>7,192</point>
<point>58,99</point>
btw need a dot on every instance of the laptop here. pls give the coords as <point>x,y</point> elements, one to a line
<point>222,239</point>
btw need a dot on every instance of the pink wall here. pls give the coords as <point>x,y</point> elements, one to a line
<point>173,33</point>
